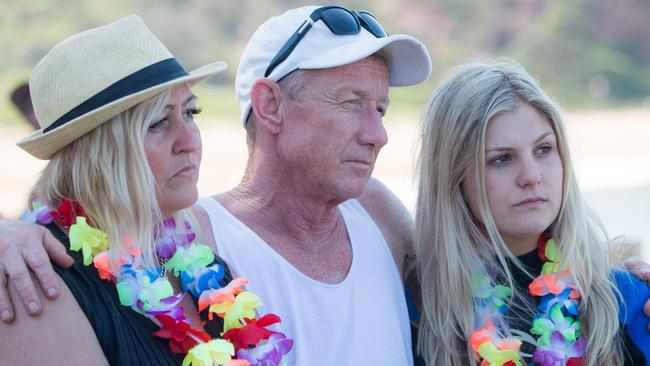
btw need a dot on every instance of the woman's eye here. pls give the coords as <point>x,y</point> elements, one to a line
<point>190,112</point>
<point>544,149</point>
<point>156,126</point>
<point>499,160</point>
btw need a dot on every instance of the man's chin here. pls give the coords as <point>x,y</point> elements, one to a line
<point>356,187</point>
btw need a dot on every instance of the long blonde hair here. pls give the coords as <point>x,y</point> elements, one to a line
<point>450,244</point>
<point>107,172</point>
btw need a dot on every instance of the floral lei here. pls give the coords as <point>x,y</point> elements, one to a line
<point>556,325</point>
<point>149,292</point>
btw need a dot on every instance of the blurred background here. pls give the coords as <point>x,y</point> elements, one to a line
<point>592,56</point>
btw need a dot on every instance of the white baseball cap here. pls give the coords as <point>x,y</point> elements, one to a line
<point>408,60</point>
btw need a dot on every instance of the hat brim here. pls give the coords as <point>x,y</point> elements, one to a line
<point>44,145</point>
<point>408,60</point>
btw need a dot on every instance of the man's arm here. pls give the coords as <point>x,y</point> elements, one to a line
<point>393,219</point>
<point>25,247</point>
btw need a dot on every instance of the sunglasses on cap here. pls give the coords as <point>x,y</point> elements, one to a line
<point>340,21</point>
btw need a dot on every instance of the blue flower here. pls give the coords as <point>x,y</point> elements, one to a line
<point>550,300</point>
<point>202,279</point>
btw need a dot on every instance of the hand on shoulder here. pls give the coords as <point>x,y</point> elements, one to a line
<point>60,335</point>
<point>26,247</point>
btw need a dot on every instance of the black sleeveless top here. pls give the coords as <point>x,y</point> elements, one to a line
<point>531,261</point>
<point>124,335</point>
<point>632,356</point>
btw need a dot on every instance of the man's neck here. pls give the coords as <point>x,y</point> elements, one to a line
<point>312,237</point>
<point>299,217</point>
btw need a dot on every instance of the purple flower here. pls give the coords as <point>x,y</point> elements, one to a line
<point>167,306</point>
<point>43,215</point>
<point>559,352</point>
<point>168,238</point>
<point>267,353</point>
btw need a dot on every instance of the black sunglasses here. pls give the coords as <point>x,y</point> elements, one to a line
<point>340,21</point>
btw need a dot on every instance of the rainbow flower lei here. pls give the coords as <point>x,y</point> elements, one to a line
<point>556,326</point>
<point>149,292</point>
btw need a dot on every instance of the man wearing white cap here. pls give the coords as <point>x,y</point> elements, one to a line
<point>322,245</point>
<point>321,242</point>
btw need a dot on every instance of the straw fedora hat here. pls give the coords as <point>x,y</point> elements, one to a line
<point>93,76</point>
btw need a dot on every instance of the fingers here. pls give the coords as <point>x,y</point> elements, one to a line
<point>38,259</point>
<point>56,251</point>
<point>22,281</point>
<point>638,268</point>
<point>14,266</point>
<point>23,245</point>
<point>6,307</point>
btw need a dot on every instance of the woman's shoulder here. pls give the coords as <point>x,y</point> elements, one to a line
<point>634,293</point>
<point>61,334</point>
<point>203,225</point>
<point>123,335</point>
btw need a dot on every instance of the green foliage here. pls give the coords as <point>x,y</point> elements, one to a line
<point>217,100</point>
<point>587,53</point>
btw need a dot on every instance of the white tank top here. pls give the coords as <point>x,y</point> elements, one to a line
<point>362,320</point>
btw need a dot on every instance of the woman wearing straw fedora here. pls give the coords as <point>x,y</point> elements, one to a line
<point>117,124</point>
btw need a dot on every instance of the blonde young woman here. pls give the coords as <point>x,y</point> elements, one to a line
<point>117,116</point>
<point>498,203</point>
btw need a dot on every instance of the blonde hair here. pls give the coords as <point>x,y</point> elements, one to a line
<point>107,172</point>
<point>451,245</point>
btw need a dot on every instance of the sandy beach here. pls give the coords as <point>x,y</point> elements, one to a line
<point>611,151</point>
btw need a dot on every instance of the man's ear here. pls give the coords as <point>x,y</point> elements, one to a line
<point>266,100</point>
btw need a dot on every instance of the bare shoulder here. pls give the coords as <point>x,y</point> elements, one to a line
<point>203,226</point>
<point>392,217</point>
<point>205,229</point>
<point>60,335</point>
